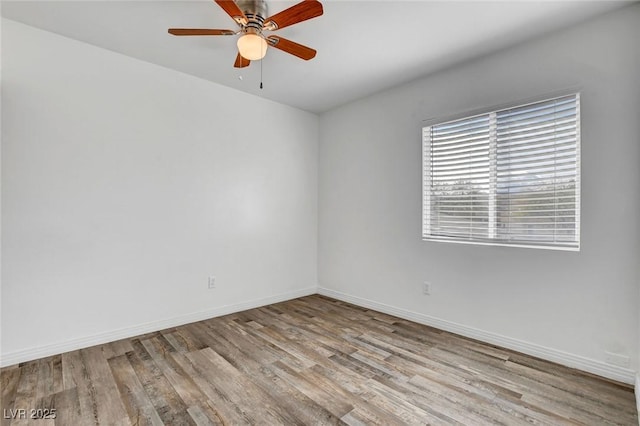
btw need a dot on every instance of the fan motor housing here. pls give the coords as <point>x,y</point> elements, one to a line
<point>253,9</point>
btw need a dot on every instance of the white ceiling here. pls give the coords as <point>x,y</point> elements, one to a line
<point>363,46</point>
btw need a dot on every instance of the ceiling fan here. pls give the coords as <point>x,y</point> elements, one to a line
<point>251,17</point>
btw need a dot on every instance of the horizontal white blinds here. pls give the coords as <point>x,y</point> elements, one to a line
<point>509,176</point>
<point>458,178</point>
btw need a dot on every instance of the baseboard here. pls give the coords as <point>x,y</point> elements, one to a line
<point>599,368</point>
<point>636,390</point>
<point>123,333</point>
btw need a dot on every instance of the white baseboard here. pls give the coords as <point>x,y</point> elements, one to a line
<point>599,368</point>
<point>123,333</point>
<point>636,390</point>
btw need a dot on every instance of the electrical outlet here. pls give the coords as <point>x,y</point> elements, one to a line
<point>212,282</point>
<point>616,359</point>
<point>426,288</point>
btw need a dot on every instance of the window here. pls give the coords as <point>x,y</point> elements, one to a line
<point>508,177</point>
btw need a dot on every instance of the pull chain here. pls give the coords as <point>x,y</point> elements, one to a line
<point>261,60</point>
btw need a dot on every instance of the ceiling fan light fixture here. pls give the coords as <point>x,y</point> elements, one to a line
<point>252,47</point>
<point>253,19</point>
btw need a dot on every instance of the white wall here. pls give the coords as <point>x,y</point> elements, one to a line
<point>125,185</point>
<point>570,307</point>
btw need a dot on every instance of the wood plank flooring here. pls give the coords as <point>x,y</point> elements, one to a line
<point>310,361</point>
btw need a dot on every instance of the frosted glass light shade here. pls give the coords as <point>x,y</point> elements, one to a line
<point>252,47</point>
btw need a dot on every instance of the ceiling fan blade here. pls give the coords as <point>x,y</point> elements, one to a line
<point>199,32</point>
<point>302,11</point>
<point>241,62</point>
<point>291,47</point>
<point>233,10</point>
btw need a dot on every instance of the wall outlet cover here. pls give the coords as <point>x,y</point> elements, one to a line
<point>426,288</point>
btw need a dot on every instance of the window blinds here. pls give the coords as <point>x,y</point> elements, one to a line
<point>506,177</point>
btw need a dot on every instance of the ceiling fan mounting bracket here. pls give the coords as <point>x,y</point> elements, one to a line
<point>270,26</point>
<point>240,20</point>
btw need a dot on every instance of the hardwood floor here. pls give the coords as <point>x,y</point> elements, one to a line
<point>311,361</point>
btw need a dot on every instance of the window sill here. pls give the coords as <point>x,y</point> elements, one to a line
<point>502,244</point>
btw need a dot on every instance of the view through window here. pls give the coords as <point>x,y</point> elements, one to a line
<point>505,177</point>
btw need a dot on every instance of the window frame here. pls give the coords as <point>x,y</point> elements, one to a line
<point>491,112</point>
